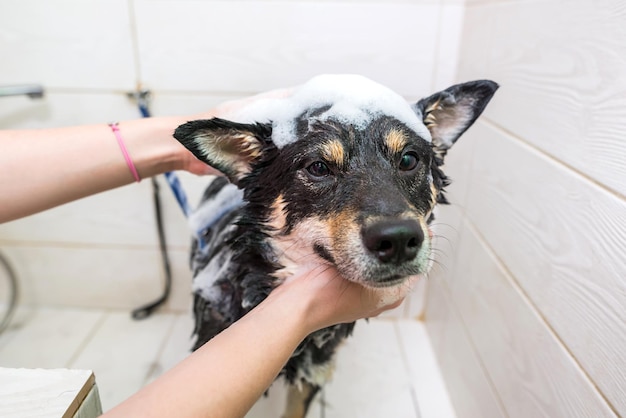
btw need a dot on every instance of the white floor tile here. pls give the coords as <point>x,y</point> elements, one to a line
<point>273,404</point>
<point>371,379</point>
<point>123,353</point>
<point>177,346</point>
<point>48,338</point>
<point>385,370</point>
<point>428,386</point>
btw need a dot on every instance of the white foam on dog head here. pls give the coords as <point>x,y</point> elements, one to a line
<point>353,99</point>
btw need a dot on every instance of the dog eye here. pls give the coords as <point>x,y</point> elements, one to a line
<point>318,169</point>
<point>408,161</point>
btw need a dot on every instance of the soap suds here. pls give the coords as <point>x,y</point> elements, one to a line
<point>351,99</point>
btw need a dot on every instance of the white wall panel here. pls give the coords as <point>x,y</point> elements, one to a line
<point>117,278</point>
<point>532,371</point>
<point>119,217</point>
<point>447,47</point>
<point>469,386</point>
<point>562,67</point>
<point>66,43</point>
<point>562,237</point>
<point>57,109</point>
<point>247,47</point>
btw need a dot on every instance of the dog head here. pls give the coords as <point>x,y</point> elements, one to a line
<point>344,170</point>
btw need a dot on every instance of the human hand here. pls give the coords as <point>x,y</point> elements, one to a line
<point>327,299</point>
<point>231,108</point>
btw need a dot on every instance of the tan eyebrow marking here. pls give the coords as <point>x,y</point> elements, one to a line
<point>333,152</point>
<point>396,141</point>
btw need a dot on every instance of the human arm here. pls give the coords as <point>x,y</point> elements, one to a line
<point>43,168</point>
<point>40,169</point>
<point>229,373</point>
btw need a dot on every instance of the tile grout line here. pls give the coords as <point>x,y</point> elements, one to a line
<point>536,311</point>
<point>198,93</point>
<point>159,353</point>
<point>25,315</point>
<point>548,156</point>
<point>447,293</point>
<point>436,48</point>
<point>407,366</point>
<point>88,338</point>
<point>88,245</point>
<point>134,36</point>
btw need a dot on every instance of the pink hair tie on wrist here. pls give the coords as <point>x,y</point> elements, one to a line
<point>129,162</point>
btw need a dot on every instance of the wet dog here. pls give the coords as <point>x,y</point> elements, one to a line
<point>343,172</point>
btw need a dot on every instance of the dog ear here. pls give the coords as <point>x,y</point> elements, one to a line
<point>450,112</point>
<point>227,146</point>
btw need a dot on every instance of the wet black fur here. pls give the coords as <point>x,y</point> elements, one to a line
<point>271,175</point>
<point>373,182</point>
<point>254,260</point>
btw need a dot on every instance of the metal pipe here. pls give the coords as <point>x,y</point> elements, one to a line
<point>34,91</point>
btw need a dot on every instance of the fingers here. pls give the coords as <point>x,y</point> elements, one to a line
<point>231,108</point>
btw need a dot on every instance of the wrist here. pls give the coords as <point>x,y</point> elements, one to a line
<point>151,145</point>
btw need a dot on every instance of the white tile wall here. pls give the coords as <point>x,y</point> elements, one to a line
<point>572,267</point>
<point>561,66</point>
<point>537,298</point>
<point>512,340</point>
<point>191,55</point>
<point>284,43</point>
<point>471,389</point>
<point>67,44</point>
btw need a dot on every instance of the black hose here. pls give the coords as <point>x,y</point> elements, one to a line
<point>146,310</point>
<point>13,293</point>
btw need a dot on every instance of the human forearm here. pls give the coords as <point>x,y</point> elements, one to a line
<point>40,169</point>
<point>65,164</point>
<point>225,377</point>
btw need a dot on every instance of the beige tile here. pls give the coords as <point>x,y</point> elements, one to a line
<point>165,103</point>
<point>273,403</point>
<point>468,385</point>
<point>370,379</point>
<point>89,277</point>
<point>560,236</point>
<point>531,370</point>
<point>415,301</point>
<point>122,354</point>
<point>428,386</point>
<point>48,337</point>
<point>287,47</point>
<point>562,87</point>
<point>123,216</point>
<point>449,39</point>
<point>67,43</point>
<point>176,348</point>
<point>436,314</point>
<point>60,108</point>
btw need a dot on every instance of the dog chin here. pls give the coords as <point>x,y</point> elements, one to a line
<point>381,283</point>
<point>393,291</point>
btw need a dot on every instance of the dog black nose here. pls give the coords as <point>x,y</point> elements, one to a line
<point>393,241</point>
